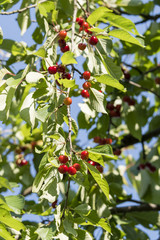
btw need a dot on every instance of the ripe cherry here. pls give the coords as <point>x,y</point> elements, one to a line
<point>52,69</point>
<point>63,159</point>
<point>72,170</point>
<point>88,31</point>
<point>92,163</point>
<point>63,169</point>
<point>126,99</point>
<point>86,75</point>
<point>62,34</point>
<point>127,75</point>
<point>110,106</point>
<point>67,101</point>
<point>66,75</point>
<point>62,43</point>
<point>85,25</point>
<point>157,80</point>
<point>77,166</point>
<point>54,204</point>
<point>142,166</point>
<point>60,68</point>
<point>86,85</point>
<point>99,168</point>
<point>113,113</point>
<point>23,162</point>
<point>65,49</point>
<point>85,94</point>
<point>118,107</point>
<point>93,40</point>
<point>82,46</point>
<point>131,102</point>
<point>84,155</point>
<point>96,139</point>
<point>108,140</point>
<point>77,19</point>
<point>117,152</point>
<point>81,20</point>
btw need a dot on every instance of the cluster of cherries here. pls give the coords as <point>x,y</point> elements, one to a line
<point>61,42</point>
<point>21,161</point>
<point>86,85</point>
<point>85,156</point>
<point>102,141</point>
<point>114,111</point>
<point>64,168</point>
<point>157,80</point>
<point>130,101</point>
<point>148,165</point>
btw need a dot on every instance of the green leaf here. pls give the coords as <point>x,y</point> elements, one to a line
<point>68,226</point>
<point>124,36</point>
<point>4,183</point>
<point>15,202</point>
<point>34,77</point>
<point>67,83</point>
<point>42,113</point>
<point>98,177</point>
<point>46,7</point>
<point>68,58</point>
<point>102,150</point>
<point>3,72</point>
<point>1,35</point>
<point>46,232</point>
<point>7,219</point>
<point>82,209</point>
<point>7,45</point>
<point>37,35</point>
<point>38,181</point>
<point>110,81</point>
<point>97,100</point>
<point>18,48</point>
<point>97,14</point>
<point>24,20</point>
<point>133,125</point>
<point>41,52</point>
<point>83,235</point>
<point>4,233</point>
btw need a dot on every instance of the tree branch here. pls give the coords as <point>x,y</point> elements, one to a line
<point>27,191</point>
<point>23,9</point>
<point>140,208</point>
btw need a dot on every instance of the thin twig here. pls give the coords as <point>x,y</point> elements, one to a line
<point>83,9</point>
<point>144,153</point>
<point>23,9</point>
<point>87,6</point>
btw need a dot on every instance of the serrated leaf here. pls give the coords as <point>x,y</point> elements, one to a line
<point>110,81</point>
<point>97,100</point>
<point>102,150</point>
<point>15,202</point>
<point>68,226</point>
<point>68,58</point>
<point>67,83</point>
<point>7,219</point>
<point>46,7</point>
<point>98,177</point>
<point>18,48</point>
<point>124,36</point>
<point>97,14</point>
<point>46,232</point>
<point>4,233</point>
<point>34,77</point>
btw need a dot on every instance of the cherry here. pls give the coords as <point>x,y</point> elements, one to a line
<point>63,159</point>
<point>92,163</point>
<point>102,141</point>
<point>86,85</point>
<point>110,106</point>
<point>157,80</point>
<point>23,162</point>
<point>152,169</point>
<point>67,101</point>
<point>62,43</point>
<point>23,148</point>
<point>82,46</point>
<point>85,94</point>
<point>63,169</point>
<point>113,113</point>
<point>108,140</point>
<point>131,102</point>
<point>84,155</point>
<point>52,69</point>
<point>62,34</point>
<point>60,68</point>
<point>87,31</point>
<point>126,99</point>
<point>96,139</point>
<point>117,152</point>
<point>80,22</point>
<point>65,49</point>
<point>54,204</point>
<point>85,25</point>
<point>77,19</point>
<point>86,75</point>
<point>142,166</point>
<point>118,107</point>
<point>127,75</point>
<point>72,170</point>
<point>66,75</point>
<point>77,166</point>
<point>93,40</point>
<point>99,168</point>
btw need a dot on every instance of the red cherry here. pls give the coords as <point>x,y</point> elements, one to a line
<point>62,34</point>
<point>102,141</point>
<point>82,46</point>
<point>113,113</point>
<point>157,80</point>
<point>81,20</point>
<point>142,166</point>
<point>63,159</point>
<point>131,102</point>
<point>84,155</point>
<point>118,107</point>
<point>23,162</point>
<point>77,19</point>
<point>72,170</point>
<point>93,40</point>
<point>85,94</point>
<point>88,31</point>
<point>54,204</point>
<point>65,49</point>
<point>126,99</point>
<point>85,25</point>
<point>127,75</point>
<point>86,75</point>
<point>99,168</point>
<point>63,169</point>
<point>117,152</point>
<point>52,69</point>
<point>152,169</point>
<point>108,140</point>
<point>60,68</point>
<point>77,166</point>
<point>110,106</point>
<point>86,85</point>
<point>66,75</point>
<point>96,139</point>
<point>80,29</point>
<point>67,101</point>
<point>62,43</point>
<point>92,163</point>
